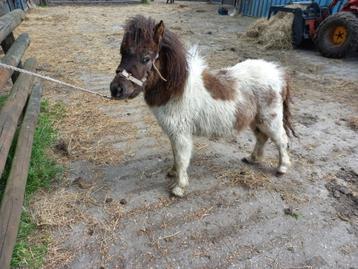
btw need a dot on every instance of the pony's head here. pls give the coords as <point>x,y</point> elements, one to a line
<point>139,50</point>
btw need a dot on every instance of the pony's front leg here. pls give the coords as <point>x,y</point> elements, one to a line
<point>172,172</point>
<point>182,147</point>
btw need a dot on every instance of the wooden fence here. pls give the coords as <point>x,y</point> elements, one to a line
<point>23,100</point>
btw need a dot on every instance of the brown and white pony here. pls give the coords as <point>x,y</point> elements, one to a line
<point>188,99</point>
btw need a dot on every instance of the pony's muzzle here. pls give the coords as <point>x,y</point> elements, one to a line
<point>116,90</point>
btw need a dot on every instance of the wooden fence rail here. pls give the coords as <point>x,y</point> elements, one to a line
<point>12,109</point>
<point>13,57</point>
<point>9,22</point>
<point>10,114</point>
<point>11,206</point>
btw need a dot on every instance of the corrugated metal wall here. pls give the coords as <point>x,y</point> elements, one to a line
<point>260,8</point>
<point>9,5</point>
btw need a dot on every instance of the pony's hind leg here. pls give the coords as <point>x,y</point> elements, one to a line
<point>182,147</point>
<point>256,155</point>
<point>274,129</point>
<point>281,141</point>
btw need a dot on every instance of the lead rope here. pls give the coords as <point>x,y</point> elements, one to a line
<point>156,69</point>
<point>6,66</point>
<point>160,75</point>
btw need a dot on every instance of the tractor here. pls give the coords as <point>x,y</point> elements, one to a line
<point>334,34</point>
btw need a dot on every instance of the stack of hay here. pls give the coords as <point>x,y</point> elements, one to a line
<point>275,33</point>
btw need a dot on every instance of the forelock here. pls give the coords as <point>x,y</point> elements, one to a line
<point>139,29</point>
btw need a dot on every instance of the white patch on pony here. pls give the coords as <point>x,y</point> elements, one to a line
<point>196,112</point>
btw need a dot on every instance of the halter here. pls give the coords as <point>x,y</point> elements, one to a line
<point>129,77</point>
<point>140,82</point>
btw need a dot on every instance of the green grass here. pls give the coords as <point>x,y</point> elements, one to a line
<point>2,100</point>
<point>26,253</point>
<point>42,172</point>
<point>43,3</point>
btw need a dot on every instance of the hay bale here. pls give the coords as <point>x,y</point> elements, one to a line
<point>257,28</point>
<point>275,33</point>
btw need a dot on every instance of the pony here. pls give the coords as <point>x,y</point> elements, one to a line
<point>189,100</point>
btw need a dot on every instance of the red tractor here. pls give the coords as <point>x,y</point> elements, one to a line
<point>333,34</point>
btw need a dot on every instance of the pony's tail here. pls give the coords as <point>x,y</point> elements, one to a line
<point>287,116</point>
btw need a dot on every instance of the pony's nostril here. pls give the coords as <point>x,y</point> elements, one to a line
<point>119,91</point>
<point>113,87</point>
<point>116,90</point>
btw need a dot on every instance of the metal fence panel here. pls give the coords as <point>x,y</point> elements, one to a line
<point>14,4</point>
<point>260,8</point>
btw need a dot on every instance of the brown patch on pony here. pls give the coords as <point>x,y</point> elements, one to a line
<point>219,85</point>
<point>171,63</point>
<point>287,116</point>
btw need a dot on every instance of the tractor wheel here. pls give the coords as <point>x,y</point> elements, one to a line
<point>298,26</point>
<point>337,35</point>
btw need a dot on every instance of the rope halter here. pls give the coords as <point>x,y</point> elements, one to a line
<point>140,82</point>
<point>129,77</point>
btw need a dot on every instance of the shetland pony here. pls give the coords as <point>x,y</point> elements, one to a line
<point>188,99</point>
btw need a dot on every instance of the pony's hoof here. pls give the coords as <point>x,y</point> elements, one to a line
<point>248,160</point>
<point>281,171</point>
<point>178,191</point>
<point>172,172</point>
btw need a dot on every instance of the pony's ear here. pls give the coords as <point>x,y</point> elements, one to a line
<point>159,32</point>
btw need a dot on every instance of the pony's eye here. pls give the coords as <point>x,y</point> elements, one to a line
<point>146,59</point>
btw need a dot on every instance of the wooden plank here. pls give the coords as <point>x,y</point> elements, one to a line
<point>12,109</point>
<point>11,206</point>
<point>13,57</point>
<point>10,21</point>
<point>6,45</point>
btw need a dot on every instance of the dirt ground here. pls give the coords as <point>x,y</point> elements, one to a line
<point>113,209</point>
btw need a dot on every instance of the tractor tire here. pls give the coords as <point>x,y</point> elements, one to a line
<point>337,35</point>
<point>298,26</point>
